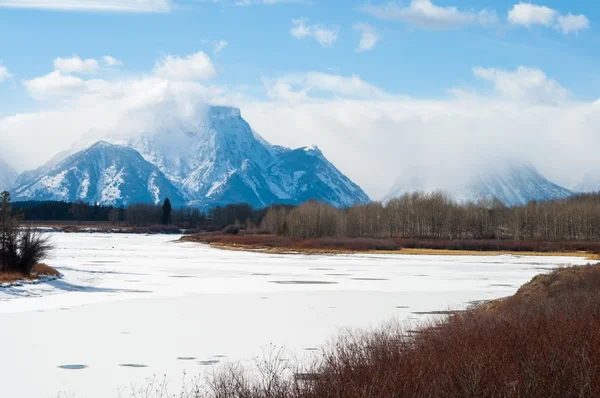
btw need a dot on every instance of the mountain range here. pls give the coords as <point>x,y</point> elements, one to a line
<point>220,160</point>
<point>217,161</point>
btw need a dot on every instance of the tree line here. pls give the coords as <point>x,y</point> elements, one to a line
<point>142,214</point>
<point>437,216</point>
<point>416,215</point>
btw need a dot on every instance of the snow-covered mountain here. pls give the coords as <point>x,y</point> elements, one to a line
<point>221,160</point>
<point>217,161</point>
<point>29,176</point>
<point>8,175</point>
<point>104,173</point>
<point>513,183</point>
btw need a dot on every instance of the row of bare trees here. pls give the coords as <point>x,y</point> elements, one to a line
<point>437,216</point>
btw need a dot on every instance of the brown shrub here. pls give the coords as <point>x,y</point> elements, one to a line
<point>70,229</point>
<point>10,277</point>
<point>349,244</point>
<point>542,342</point>
<point>281,242</point>
<point>231,229</point>
<point>164,229</point>
<point>500,245</point>
<point>37,271</point>
<point>44,270</point>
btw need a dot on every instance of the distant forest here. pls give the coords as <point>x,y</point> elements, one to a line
<point>417,215</point>
<point>142,215</point>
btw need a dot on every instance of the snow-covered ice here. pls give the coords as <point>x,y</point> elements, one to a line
<point>171,306</point>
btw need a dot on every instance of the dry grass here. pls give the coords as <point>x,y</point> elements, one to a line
<point>38,271</point>
<point>44,270</point>
<point>11,277</point>
<point>279,245</point>
<point>441,252</point>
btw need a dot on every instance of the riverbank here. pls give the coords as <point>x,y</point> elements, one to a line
<point>39,272</point>
<point>282,245</point>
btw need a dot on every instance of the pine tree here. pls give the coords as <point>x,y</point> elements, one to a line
<point>167,209</point>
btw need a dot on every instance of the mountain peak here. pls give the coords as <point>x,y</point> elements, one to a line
<point>313,150</point>
<point>102,145</point>
<point>224,112</point>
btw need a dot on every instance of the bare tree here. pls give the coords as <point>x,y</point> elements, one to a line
<point>20,248</point>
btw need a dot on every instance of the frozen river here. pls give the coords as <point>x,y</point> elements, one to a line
<point>167,307</point>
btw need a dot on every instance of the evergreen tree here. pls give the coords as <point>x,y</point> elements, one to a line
<point>167,208</point>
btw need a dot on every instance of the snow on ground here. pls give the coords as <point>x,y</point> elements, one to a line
<point>171,307</point>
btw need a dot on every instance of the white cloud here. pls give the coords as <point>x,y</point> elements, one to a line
<point>4,73</point>
<point>111,61</point>
<point>426,15</point>
<point>60,83</point>
<point>528,84</point>
<point>92,5</point>
<point>76,65</point>
<point>220,46</point>
<point>196,67</point>
<point>382,133</point>
<point>572,23</point>
<point>325,36</point>
<point>55,84</point>
<point>368,37</point>
<point>301,87</point>
<point>528,15</point>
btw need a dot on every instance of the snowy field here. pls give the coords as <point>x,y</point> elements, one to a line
<point>161,307</point>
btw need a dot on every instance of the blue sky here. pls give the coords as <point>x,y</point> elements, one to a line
<point>406,59</point>
<point>288,55</point>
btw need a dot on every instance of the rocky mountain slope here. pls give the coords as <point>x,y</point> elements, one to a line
<point>104,173</point>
